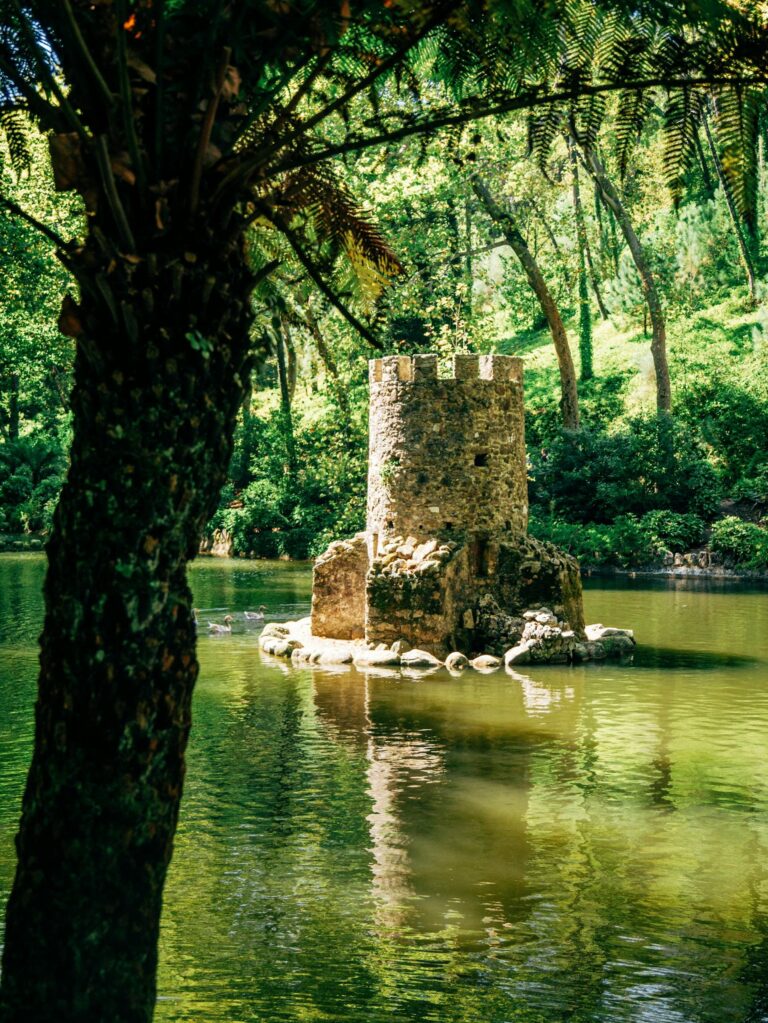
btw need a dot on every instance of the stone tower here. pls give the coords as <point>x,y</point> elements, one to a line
<point>445,557</point>
<point>446,456</point>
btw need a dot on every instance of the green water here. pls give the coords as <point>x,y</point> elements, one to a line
<point>569,844</point>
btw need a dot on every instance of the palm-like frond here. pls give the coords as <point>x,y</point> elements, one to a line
<point>681,118</point>
<point>341,225</point>
<point>737,128</point>
<point>14,126</point>
<point>631,114</point>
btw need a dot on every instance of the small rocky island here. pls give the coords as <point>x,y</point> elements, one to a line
<point>445,571</point>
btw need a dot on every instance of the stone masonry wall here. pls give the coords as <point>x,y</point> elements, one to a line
<point>446,455</point>
<point>338,589</point>
<point>421,601</point>
<point>431,596</point>
<point>445,563</point>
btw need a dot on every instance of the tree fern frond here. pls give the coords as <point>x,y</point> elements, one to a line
<point>737,129</point>
<point>14,125</point>
<point>341,224</point>
<point>632,111</point>
<point>681,116</point>
<point>587,118</point>
<point>543,129</point>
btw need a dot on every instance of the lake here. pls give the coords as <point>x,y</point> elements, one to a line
<point>564,844</point>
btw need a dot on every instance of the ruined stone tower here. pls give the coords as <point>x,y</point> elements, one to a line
<point>446,456</point>
<point>445,552</point>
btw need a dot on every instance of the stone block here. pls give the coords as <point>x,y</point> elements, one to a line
<point>456,661</point>
<point>466,366</point>
<point>338,590</point>
<point>424,368</point>
<point>419,659</point>
<point>486,662</point>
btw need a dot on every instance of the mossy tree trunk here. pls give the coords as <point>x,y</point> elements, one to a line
<point>161,367</point>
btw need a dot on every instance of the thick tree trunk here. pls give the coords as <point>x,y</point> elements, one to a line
<point>569,401</point>
<point>738,230</point>
<point>161,367</point>
<point>648,281</point>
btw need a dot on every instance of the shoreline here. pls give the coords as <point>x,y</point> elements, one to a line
<point>717,573</point>
<point>36,545</point>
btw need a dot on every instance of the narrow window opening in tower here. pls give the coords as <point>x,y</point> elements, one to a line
<point>481,458</point>
<point>480,555</point>
<point>449,525</point>
<point>375,545</point>
<point>507,524</point>
<point>390,524</point>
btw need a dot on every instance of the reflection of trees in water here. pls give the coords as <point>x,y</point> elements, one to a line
<point>754,972</point>
<point>471,850</point>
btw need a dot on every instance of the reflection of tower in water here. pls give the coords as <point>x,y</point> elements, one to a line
<point>395,770</point>
<point>450,771</point>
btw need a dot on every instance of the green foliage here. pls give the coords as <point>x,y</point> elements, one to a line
<point>31,474</point>
<point>676,531</point>
<point>273,510</point>
<point>742,542</point>
<point>585,329</point>
<point>630,541</point>
<point>733,417</point>
<point>649,463</point>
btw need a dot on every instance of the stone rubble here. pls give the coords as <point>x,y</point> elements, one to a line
<point>541,638</point>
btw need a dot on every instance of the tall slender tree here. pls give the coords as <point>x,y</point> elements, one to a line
<point>506,223</point>
<point>612,198</point>
<point>585,313</point>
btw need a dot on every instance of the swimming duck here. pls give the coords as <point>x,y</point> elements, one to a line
<point>217,629</point>
<point>255,616</point>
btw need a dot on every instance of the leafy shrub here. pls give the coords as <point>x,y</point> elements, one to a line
<point>621,543</point>
<point>627,542</point>
<point>733,419</point>
<point>754,487</point>
<point>31,474</point>
<point>651,463</point>
<point>742,542</point>
<point>674,530</point>
<point>296,484</point>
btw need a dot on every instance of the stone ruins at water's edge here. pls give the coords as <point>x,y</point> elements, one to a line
<point>445,565</point>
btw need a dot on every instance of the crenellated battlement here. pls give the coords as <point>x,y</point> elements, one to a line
<point>447,452</point>
<point>446,520</point>
<point>425,368</point>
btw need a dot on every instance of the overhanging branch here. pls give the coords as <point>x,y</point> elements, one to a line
<point>527,101</point>
<point>17,211</point>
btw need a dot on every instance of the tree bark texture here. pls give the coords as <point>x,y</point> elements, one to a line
<point>161,367</point>
<point>569,400</point>
<point>647,279</point>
